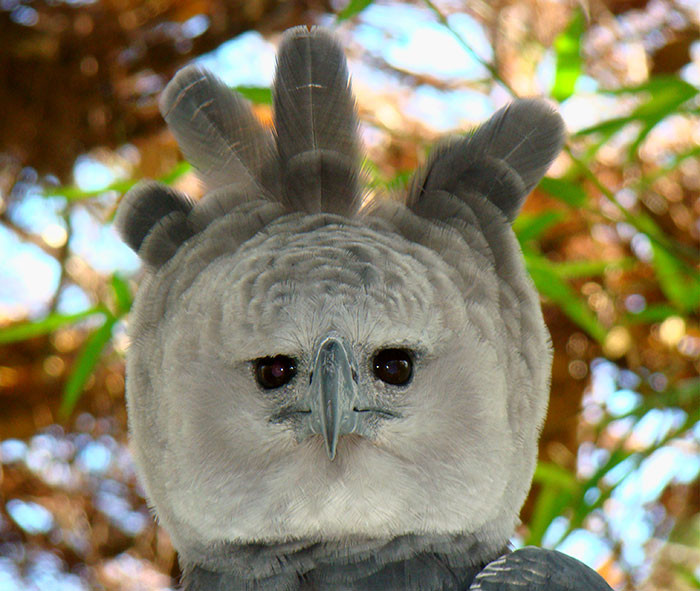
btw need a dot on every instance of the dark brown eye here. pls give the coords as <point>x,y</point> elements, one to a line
<point>393,366</point>
<point>274,372</point>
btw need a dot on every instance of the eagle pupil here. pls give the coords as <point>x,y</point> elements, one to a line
<point>274,372</point>
<point>393,366</point>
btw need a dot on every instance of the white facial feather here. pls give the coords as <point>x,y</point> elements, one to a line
<point>215,466</point>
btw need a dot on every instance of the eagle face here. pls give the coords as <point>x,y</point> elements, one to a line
<point>244,359</point>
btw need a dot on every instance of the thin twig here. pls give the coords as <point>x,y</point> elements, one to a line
<point>62,257</point>
<point>470,50</point>
<point>25,236</point>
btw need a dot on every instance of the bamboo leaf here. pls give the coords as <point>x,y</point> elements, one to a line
<point>665,95</point>
<point>576,269</point>
<point>353,8</point>
<point>558,488</point>
<point>177,171</point>
<point>657,84</point>
<point>681,287</point>
<point>567,47</point>
<point>260,95</point>
<point>553,474</point>
<point>663,102</point>
<point>650,314</point>
<point>531,227</point>
<point>75,193</point>
<point>52,322</point>
<point>550,285</point>
<point>122,294</point>
<point>85,364</point>
<point>566,191</point>
<point>607,127</point>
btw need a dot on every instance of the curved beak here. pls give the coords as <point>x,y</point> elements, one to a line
<point>334,404</point>
<point>334,392</point>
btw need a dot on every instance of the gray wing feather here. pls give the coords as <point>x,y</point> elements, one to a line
<point>537,569</point>
<point>502,160</point>
<point>316,124</point>
<point>217,130</point>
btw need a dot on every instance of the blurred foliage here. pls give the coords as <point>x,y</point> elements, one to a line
<point>610,239</point>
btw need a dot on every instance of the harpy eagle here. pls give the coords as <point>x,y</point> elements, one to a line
<point>329,393</point>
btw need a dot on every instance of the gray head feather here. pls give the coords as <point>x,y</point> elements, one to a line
<point>278,258</point>
<point>154,210</point>
<point>217,130</point>
<point>316,124</point>
<point>502,160</point>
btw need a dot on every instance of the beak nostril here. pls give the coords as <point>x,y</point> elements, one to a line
<point>311,377</point>
<point>354,376</point>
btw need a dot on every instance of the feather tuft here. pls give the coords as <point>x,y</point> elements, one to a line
<point>217,131</point>
<point>145,208</point>
<point>316,124</point>
<point>502,160</point>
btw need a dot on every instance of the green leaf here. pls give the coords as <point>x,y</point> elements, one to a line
<point>664,96</point>
<point>177,171</point>
<point>530,227</point>
<point>664,101</point>
<point>582,509</point>
<point>353,8</point>
<point>567,47</point>
<point>85,364</point>
<point>550,285</point>
<point>687,575</point>
<point>576,269</point>
<point>680,285</point>
<point>650,314</point>
<point>75,193</point>
<point>656,85</point>
<point>260,95</point>
<point>683,395</point>
<point>52,322</point>
<point>122,294</point>
<point>673,163</point>
<point>558,487</point>
<point>607,127</point>
<point>555,475</point>
<point>566,191</point>
<point>400,180</point>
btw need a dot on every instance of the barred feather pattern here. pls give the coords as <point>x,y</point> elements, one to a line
<point>218,132</point>
<point>156,215</point>
<point>316,124</point>
<point>537,568</point>
<point>502,160</point>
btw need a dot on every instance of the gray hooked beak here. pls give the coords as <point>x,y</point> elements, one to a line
<point>334,392</point>
<point>335,405</point>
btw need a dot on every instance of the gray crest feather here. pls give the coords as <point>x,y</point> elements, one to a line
<point>502,160</point>
<point>151,209</point>
<point>316,124</point>
<point>217,130</point>
<point>538,569</point>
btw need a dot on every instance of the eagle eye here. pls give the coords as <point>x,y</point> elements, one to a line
<point>393,366</point>
<point>274,372</point>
